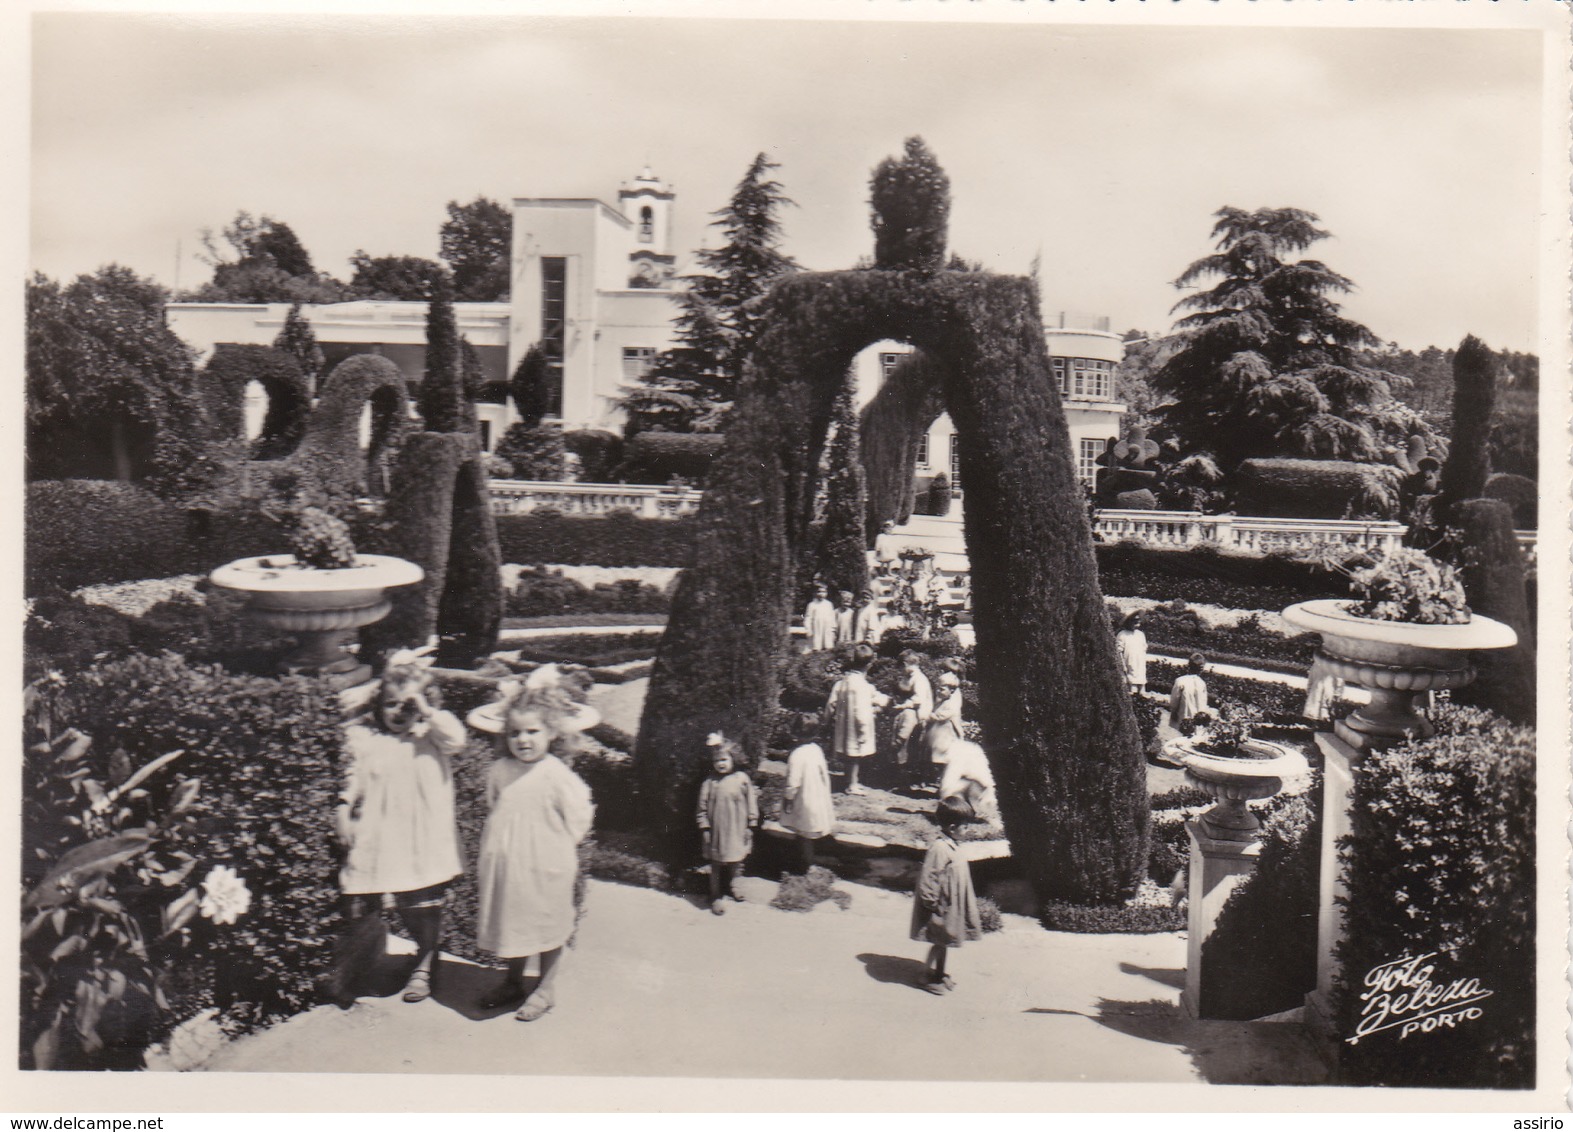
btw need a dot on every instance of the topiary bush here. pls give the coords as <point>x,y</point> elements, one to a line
<point>939,495</point>
<point>893,423</point>
<point>841,557</point>
<point>1520,493</point>
<point>86,532</point>
<point>330,459</point>
<point>224,380</point>
<point>267,754</point>
<point>1316,489</point>
<point>656,457</point>
<point>1261,957</point>
<point>1440,863</point>
<point>534,453</point>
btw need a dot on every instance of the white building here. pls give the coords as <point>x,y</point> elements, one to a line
<point>595,285</point>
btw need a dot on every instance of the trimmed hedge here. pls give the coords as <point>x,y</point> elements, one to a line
<point>892,424</point>
<point>330,456</point>
<point>613,540</point>
<point>599,453</point>
<point>1441,863</point>
<point>1316,489</point>
<point>225,378</point>
<point>1261,957</point>
<point>1520,493</point>
<point>655,457</point>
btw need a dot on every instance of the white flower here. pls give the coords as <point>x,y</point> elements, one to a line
<point>225,896</point>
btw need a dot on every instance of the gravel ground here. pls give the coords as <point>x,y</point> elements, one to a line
<point>136,598</point>
<point>591,576</point>
<point>1214,616</point>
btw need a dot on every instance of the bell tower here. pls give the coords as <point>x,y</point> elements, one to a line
<point>647,202</point>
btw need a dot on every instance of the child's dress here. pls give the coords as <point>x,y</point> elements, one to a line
<point>944,726</point>
<point>728,813</point>
<point>1187,699</point>
<point>819,620</point>
<point>1133,651</point>
<point>851,709</point>
<point>810,813</point>
<point>944,905</point>
<point>403,833</point>
<point>529,856</point>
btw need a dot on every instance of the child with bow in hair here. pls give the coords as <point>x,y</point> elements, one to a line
<point>728,814</point>
<point>396,822</point>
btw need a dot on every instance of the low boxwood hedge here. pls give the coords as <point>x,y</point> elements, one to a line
<point>613,540</point>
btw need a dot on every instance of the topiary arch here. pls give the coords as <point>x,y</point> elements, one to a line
<point>330,454</point>
<point>288,389</point>
<point>1055,711</point>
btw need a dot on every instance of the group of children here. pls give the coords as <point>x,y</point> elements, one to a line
<point>397,822</point>
<point>843,623</point>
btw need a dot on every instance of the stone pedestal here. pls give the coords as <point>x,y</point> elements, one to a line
<point>1216,868</point>
<point>1338,762</point>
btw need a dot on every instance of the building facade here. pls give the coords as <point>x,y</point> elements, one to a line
<point>595,284</point>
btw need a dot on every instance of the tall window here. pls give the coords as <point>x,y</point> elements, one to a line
<point>637,361</point>
<point>554,312</point>
<point>1087,460</point>
<point>646,225</point>
<point>888,364</point>
<point>923,451</point>
<point>955,462</point>
<point>1058,365</point>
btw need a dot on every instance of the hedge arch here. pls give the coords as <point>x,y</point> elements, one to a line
<point>438,515</point>
<point>330,454</point>
<point>893,422</point>
<point>1054,707</point>
<point>225,378</point>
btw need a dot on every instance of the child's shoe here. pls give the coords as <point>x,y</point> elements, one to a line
<point>716,907</point>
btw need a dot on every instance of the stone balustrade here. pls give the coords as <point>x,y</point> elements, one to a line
<point>520,497</point>
<point>1239,534</point>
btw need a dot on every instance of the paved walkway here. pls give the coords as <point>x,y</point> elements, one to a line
<point>657,986</point>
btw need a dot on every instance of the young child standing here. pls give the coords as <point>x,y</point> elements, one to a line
<point>914,708</point>
<point>1188,697</point>
<point>867,623</point>
<point>806,808</point>
<point>539,812</point>
<point>945,725</point>
<point>819,621</point>
<point>1132,644</point>
<point>396,820</point>
<point>944,905</point>
<point>851,711</point>
<point>846,618</point>
<point>728,814</point>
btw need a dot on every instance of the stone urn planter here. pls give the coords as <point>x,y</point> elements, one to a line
<point>322,608</point>
<point>1256,769</point>
<point>1394,661</point>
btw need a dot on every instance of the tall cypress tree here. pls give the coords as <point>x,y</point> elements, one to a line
<point>1469,451</point>
<point>910,197</point>
<point>298,341</point>
<point>528,388</point>
<point>843,558</point>
<point>442,401</point>
<point>690,387</point>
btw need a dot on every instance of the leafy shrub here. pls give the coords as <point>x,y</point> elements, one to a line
<point>65,633</point>
<point>1316,489</point>
<point>894,642</point>
<point>806,679</point>
<point>625,860</point>
<point>1181,797</point>
<point>1261,957</point>
<point>802,893</point>
<point>1148,716</point>
<point>540,593</point>
<point>939,494</point>
<point>1132,569</point>
<point>989,916</point>
<point>85,532</point>
<point>1058,916</point>
<point>267,754</point>
<point>1520,493</point>
<point>590,541</point>
<point>534,453</point>
<point>599,452</point>
<point>1280,704</point>
<point>1169,849</point>
<point>590,649</point>
<point>1440,862</point>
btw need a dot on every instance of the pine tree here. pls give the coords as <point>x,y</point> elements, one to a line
<point>910,197</point>
<point>1266,365</point>
<point>528,389</point>
<point>298,341</point>
<point>690,387</point>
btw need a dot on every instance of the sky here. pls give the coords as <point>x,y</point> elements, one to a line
<point>1102,151</point>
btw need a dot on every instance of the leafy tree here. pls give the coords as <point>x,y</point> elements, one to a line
<point>910,196</point>
<point>477,243</point>
<point>1425,379</point>
<point>405,277</point>
<point>111,390</point>
<point>1145,354</point>
<point>690,387</point>
<point>298,341</point>
<point>534,452</point>
<point>265,263</point>
<point>1266,365</point>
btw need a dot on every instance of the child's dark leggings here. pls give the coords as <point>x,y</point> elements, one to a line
<point>420,909</point>
<point>722,873</point>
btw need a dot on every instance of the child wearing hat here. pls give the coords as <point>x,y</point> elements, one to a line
<point>944,904</point>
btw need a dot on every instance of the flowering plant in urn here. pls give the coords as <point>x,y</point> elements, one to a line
<point>1224,760</point>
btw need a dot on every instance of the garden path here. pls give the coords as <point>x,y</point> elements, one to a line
<point>656,987</point>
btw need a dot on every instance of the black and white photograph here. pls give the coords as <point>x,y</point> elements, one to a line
<point>961,556</point>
